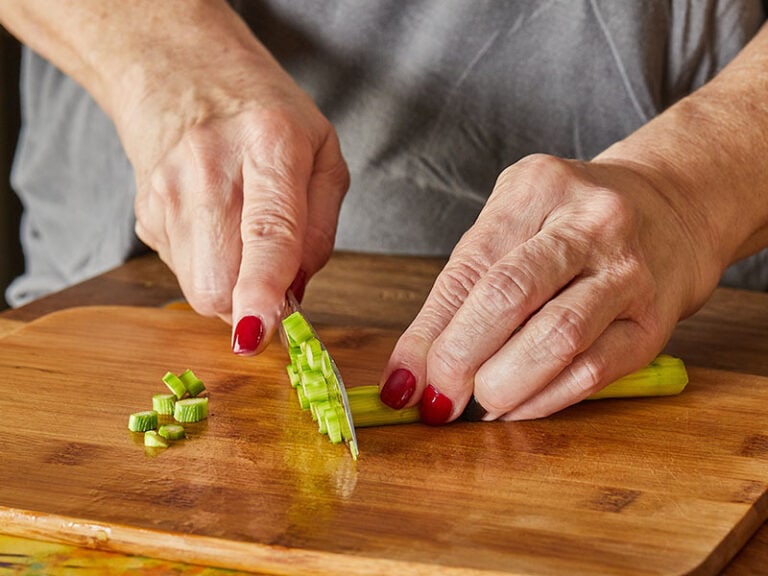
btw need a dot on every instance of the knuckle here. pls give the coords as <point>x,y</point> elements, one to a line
<point>447,364</point>
<point>536,164</point>
<point>617,215</point>
<point>162,185</point>
<point>558,338</point>
<point>276,222</point>
<point>504,291</point>
<point>585,377</point>
<point>455,283</point>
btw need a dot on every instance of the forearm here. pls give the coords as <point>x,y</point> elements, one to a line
<point>711,150</point>
<point>122,51</point>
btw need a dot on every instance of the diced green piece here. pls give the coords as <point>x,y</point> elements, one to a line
<point>175,385</point>
<point>163,403</point>
<point>297,329</point>
<point>154,440</point>
<point>315,389</point>
<point>325,364</point>
<point>302,364</point>
<point>332,426</point>
<point>313,352</point>
<point>293,375</point>
<point>142,421</point>
<point>303,401</point>
<point>294,353</point>
<point>191,410</point>
<point>192,383</point>
<point>172,431</point>
<point>317,409</point>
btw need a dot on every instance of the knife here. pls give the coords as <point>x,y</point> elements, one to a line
<point>336,384</point>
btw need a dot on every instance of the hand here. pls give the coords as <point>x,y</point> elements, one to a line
<point>239,183</point>
<point>573,275</point>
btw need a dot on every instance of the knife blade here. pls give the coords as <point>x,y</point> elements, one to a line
<point>336,384</point>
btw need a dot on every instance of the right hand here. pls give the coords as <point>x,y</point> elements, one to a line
<point>239,177</point>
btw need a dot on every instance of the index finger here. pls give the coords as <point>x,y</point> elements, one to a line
<point>273,223</point>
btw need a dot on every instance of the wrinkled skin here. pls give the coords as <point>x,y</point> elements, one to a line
<point>573,275</point>
<point>241,198</point>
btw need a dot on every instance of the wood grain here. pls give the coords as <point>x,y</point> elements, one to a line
<point>646,486</point>
<point>8,326</point>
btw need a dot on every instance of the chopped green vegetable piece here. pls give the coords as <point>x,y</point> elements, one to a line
<point>163,403</point>
<point>321,423</point>
<point>315,390</point>
<point>302,364</point>
<point>303,401</point>
<point>325,364</point>
<point>142,421</point>
<point>294,351</point>
<point>317,408</point>
<point>332,426</point>
<point>172,431</point>
<point>175,385</point>
<point>191,410</point>
<point>313,352</point>
<point>297,329</point>
<point>293,375</point>
<point>192,383</point>
<point>154,440</point>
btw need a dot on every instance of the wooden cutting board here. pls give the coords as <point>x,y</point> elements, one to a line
<point>644,486</point>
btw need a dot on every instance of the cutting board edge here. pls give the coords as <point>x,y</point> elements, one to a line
<point>722,554</point>
<point>206,550</point>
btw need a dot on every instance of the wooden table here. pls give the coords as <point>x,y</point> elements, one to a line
<point>730,332</point>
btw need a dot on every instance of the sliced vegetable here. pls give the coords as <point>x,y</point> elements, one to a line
<point>332,425</point>
<point>293,375</point>
<point>297,329</point>
<point>193,384</point>
<point>171,406</point>
<point>313,352</point>
<point>142,421</point>
<point>154,440</point>
<point>175,385</point>
<point>163,403</point>
<point>172,431</point>
<point>191,410</point>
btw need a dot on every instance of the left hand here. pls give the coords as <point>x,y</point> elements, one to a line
<point>574,275</point>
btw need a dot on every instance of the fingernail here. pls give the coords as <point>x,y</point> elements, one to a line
<point>398,388</point>
<point>435,408</point>
<point>299,284</point>
<point>248,334</point>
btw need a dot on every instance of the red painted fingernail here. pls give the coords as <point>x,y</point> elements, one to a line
<point>299,284</point>
<point>398,388</point>
<point>248,335</point>
<point>435,408</point>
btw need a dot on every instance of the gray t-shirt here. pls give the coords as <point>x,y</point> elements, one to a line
<point>431,100</point>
